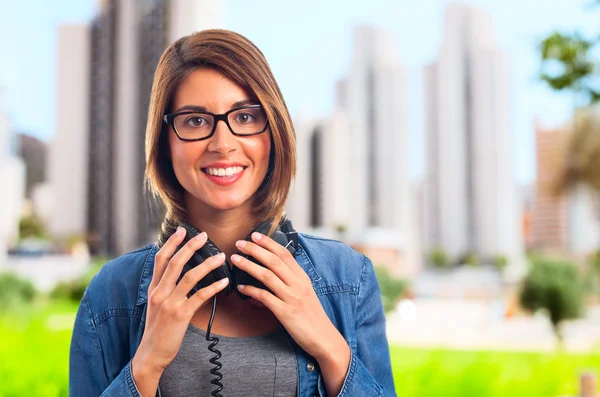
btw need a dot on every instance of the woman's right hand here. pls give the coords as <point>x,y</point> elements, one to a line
<point>169,309</point>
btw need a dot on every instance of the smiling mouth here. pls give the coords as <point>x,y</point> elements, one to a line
<point>224,172</point>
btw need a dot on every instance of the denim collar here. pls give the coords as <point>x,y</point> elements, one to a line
<point>142,297</point>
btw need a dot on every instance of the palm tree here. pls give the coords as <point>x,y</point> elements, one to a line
<point>568,64</point>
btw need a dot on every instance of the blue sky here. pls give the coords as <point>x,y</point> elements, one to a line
<point>308,44</point>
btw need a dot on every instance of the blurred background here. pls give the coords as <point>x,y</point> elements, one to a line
<point>457,144</point>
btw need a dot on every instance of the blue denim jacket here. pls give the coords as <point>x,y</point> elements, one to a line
<point>110,322</point>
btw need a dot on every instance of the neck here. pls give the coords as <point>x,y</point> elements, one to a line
<point>223,227</point>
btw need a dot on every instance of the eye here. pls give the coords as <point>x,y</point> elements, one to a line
<point>195,121</point>
<point>244,118</point>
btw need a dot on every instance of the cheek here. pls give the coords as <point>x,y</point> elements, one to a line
<point>184,156</point>
<point>262,148</point>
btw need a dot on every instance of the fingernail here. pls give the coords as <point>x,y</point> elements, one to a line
<point>224,281</point>
<point>256,235</point>
<point>179,231</point>
<point>240,244</point>
<point>220,256</point>
<point>241,286</point>
<point>201,236</point>
<point>235,258</point>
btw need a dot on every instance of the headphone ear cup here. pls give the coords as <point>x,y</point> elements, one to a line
<point>206,251</point>
<point>280,237</point>
<point>221,272</point>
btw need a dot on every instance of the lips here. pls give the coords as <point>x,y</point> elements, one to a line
<point>223,175</point>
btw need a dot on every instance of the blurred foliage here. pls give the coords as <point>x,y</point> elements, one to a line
<point>438,259</point>
<point>73,290</point>
<point>582,158</point>
<point>500,261</point>
<point>32,226</point>
<point>15,292</point>
<point>555,287</point>
<point>569,63</point>
<point>593,276</point>
<point>469,259</point>
<point>449,373</point>
<point>391,288</point>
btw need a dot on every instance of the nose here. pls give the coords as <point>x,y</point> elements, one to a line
<point>222,141</point>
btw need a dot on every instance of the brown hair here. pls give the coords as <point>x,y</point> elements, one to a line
<point>239,59</point>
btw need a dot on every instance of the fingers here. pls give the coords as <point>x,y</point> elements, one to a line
<point>270,257</point>
<point>272,303</point>
<point>262,274</point>
<point>191,277</point>
<point>202,295</point>
<point>180,258</point>
<point>163,256</point>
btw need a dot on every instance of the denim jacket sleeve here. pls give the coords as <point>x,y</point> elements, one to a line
<point>370,370</point>
<point>87,371</point>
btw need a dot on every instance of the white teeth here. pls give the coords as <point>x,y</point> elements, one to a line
<point>224,171</point>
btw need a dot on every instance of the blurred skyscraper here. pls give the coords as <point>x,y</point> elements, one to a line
<point>321,194</point>
<point>126,41</point>
<point>470,193</point>
<point>549,221</point>
<point>561,222</point>
<point>68,149</point>
<point>353,166</point>
<point>373,96</point>
<point>12,180</point>
<point>360,151</point>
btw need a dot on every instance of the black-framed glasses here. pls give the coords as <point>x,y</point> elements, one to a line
<point>196,126</point>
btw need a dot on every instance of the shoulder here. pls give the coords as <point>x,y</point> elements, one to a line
<point>334,260</point>
<point>117,284</point>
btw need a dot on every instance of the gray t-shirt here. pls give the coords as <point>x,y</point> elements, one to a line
<point>263,365</point>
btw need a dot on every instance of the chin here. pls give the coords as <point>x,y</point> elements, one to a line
<point>225,205</point>
<point>226,202</point>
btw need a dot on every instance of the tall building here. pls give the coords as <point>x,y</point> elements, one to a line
<point>320,195</point>
<point>561,222</point>
<point>99,227</point>
<point>352,178</point>
<point>372,95</point>
<point>298,206</point>
<point>470,194</point>
<point>68,149</point>
<point>128,38</point>
<point>33,151</point>
<point>12,179</point>
<point>549,220</point>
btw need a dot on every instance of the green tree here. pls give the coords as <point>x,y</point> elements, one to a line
<point>391,288</point>
<point>15,291</point>
<point>500,261</point>
<point>556,288</point>
<point>31,226</point>
<point>569,63</point>
<point>469,259</point>
<point>438,258</point>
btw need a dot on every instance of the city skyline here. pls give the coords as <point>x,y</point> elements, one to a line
<point>516,32</point>
<point>470,193</point>
<point>106,200</point>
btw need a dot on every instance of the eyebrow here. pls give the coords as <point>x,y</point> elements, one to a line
<point>195,108</point>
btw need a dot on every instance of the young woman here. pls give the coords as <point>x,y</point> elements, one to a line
<point>220,153</point>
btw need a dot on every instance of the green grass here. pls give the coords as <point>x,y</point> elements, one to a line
<point>34,356</point>
<point>447,373</point>
<point>34,350</point>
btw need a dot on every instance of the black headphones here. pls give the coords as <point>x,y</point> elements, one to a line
<point>284,234</point>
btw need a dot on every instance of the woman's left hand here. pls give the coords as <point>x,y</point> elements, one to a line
<point>293,301</point>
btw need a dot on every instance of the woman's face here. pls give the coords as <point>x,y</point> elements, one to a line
<point>193,161</point>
